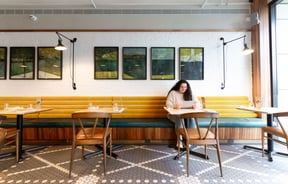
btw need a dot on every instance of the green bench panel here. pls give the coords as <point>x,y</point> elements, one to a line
<point>136,123</point>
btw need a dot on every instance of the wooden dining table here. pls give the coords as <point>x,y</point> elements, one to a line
<point>109,110</point>
<point>269,111</point>
<point>173,111</point>
<point>19,112</point>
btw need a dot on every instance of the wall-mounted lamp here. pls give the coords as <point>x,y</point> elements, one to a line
<point>60,46</point>
<point>245,51</point>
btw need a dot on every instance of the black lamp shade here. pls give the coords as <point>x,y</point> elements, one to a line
<point>247,50</point>
<point>60,46</point>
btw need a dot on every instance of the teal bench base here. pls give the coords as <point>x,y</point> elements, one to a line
<point>236,122</point>
<point>136,123</point>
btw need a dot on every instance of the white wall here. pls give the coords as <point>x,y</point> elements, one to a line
<point>238,81</point>
<point>282,53</point>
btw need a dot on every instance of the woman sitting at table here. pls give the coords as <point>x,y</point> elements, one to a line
<point>180,96</point>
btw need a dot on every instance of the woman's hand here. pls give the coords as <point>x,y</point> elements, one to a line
<point>194,106</point>
<point>177,106</point>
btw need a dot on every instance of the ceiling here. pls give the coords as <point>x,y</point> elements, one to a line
<point>125,4</point>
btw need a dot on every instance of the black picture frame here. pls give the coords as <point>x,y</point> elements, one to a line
<point>162,63</point>
<point>3,63</point>
<point>49,63</point>
<point>106,62</point>
<point>134,63</point>
<point>22,63</point>
<point>191,60</point>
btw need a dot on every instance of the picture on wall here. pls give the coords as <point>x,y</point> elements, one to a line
<point>106,62</point>
<point>22,62</point>
<point>134,63</point>
<point>191,63</point>
<point>3,62</point>
<point>49,63</point>
<point>162,63</point>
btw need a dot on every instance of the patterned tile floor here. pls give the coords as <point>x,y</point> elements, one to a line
<point>145,164</point>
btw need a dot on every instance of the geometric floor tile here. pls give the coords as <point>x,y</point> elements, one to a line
<point>149,164</point>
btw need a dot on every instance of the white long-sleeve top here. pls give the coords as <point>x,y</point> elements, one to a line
<point>176,97</point>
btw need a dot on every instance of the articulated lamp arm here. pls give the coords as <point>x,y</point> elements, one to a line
<point>60,46</point>
<point>245,51</point>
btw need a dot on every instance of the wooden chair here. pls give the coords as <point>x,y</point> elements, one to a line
<point>277,132</point>
<point>200,136</point>
<point>8,137</point>
<point>91,135</point>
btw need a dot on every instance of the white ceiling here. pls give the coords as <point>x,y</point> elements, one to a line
<point>124,4</point>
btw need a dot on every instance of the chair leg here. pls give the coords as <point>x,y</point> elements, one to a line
<point>17,146</point>
<point>104,156</point>
<point>178,148</point>
<point>205,147</point>
<point>262,141</point>
<point>110,141</point>
<point>187,158</point>
<point>82,151</point>
<point>71,159</point>
<point>219,158</point>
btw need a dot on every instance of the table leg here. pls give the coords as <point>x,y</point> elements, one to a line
<point>270,143</point>
<point>19,126</point>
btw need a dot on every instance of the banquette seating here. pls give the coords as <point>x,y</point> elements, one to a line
<point>143,121</point>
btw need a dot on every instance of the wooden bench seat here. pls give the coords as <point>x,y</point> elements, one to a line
<point>144,118</point>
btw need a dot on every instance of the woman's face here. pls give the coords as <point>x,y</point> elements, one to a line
<point>183,88</point>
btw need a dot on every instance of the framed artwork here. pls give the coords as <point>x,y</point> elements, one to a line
<point>162,63</point>
<point>134,63</point>
<point>106,62</point>
<point>3,62</point>
<point>22,62</point>
<point>191,63</point>
<point>49,63</point>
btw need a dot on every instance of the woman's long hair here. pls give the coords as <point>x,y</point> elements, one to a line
<point>188,93</point>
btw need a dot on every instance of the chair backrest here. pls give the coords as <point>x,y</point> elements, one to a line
<point>280,122</point>
<point>81,118</point>
<point>90,115</point>
<point>213,116</point>
<point>206,114</point>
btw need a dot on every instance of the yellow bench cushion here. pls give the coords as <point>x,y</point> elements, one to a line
<point>136,106</point>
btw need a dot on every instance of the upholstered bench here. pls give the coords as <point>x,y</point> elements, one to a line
<point>144,118</point>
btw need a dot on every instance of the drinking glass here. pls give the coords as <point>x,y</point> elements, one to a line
<point>6,107</point>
